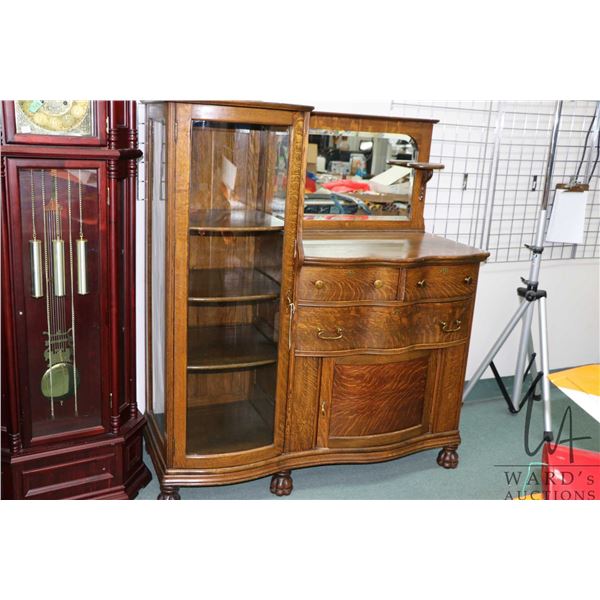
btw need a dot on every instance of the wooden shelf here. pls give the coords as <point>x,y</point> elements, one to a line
<point>228,427</point>
<point>233,221</point>
<point>228,347</point>
<point>230,285</point>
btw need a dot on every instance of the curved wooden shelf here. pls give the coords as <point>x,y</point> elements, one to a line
<point>230,285</point>
<point>233,221</point>
<point>228,427</point>
<point>228,347</point>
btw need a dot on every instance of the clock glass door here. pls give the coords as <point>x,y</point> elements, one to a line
<point>236,231</point>
<point>60,296</point>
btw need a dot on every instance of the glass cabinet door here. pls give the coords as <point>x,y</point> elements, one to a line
<point>57,226</point>
<point>155,176</point>
<point>238,183</point>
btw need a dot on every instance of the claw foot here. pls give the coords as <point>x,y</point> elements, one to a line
<point>448,457</point>
<point>281,483</point>
<point>169,493</point>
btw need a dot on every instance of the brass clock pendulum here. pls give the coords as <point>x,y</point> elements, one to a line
<point>69,199</point>
<point>58,247</point>
<point>61,378</point>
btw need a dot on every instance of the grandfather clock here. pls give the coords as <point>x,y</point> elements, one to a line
<point>70,423</point>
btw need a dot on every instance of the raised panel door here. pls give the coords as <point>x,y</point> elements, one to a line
<point>371,400</point>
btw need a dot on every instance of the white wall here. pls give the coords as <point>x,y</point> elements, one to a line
<point>573,288</point>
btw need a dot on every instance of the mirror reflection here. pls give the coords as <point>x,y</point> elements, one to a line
<point>348,176</point>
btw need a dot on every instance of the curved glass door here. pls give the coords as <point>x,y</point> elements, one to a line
<point>237,204</point>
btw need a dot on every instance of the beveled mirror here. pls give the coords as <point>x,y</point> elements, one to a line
<point>356,171</point>
<point>349,175</point>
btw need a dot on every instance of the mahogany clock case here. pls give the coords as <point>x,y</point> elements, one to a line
<point>70,423</point>
<point>278,339</point>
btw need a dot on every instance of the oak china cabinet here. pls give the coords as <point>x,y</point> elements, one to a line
<point>297,312</point>
<point>70,424</point>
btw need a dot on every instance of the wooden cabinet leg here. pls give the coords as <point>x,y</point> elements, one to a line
<point>448,457</point>
<point>282,484</point>
<point>168,493</point>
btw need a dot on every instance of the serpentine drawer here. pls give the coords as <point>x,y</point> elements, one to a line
<point>436,281</point>
<point>325,329</point>
<point>353,284</point>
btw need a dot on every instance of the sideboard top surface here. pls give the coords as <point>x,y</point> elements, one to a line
<point>385,247</point>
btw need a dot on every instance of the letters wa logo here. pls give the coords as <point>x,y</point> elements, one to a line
<point>539,484</point>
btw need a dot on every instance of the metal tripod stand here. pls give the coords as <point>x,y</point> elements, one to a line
<point>529,297</point>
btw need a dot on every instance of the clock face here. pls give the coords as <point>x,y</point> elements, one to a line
<point>54,117</point>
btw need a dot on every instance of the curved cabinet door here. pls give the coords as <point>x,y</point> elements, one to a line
<point>373,400</point>
<point>235,216</point>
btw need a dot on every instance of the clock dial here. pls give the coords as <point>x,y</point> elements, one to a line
<point>54,117</point>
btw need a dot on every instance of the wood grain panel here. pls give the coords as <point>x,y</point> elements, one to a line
<point>356,247</point>
<point>372,399</point>
<point>423,283</point>
<point>367,283</point>
<point>302,412</point>
<point>449,398</point>
<point>380,327</point>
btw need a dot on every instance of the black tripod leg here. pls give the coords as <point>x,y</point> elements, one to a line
<point>503,389</point>
<point>532,364</point>
<point>531,390</point>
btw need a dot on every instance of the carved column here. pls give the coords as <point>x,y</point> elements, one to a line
<point>130,341</point>
<point>113,252</point>
<point>9,350</point>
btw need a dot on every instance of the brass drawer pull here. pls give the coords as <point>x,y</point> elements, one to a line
<point>421,283</point>
<point>447,329</point>
<point>322,334</point>
<point>319,284</point>
<point>468,280</point>
<point>378,283</point>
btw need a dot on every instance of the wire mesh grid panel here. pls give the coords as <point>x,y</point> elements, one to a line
<point>456,195</point>
<point>496,159</point>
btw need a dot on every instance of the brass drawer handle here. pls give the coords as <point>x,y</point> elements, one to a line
<point>322,334</point>
<point>378,283</point>
<point>446,329</point>
<point>421,283</point>
<point>468,280</point>
<point>319,284</point>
